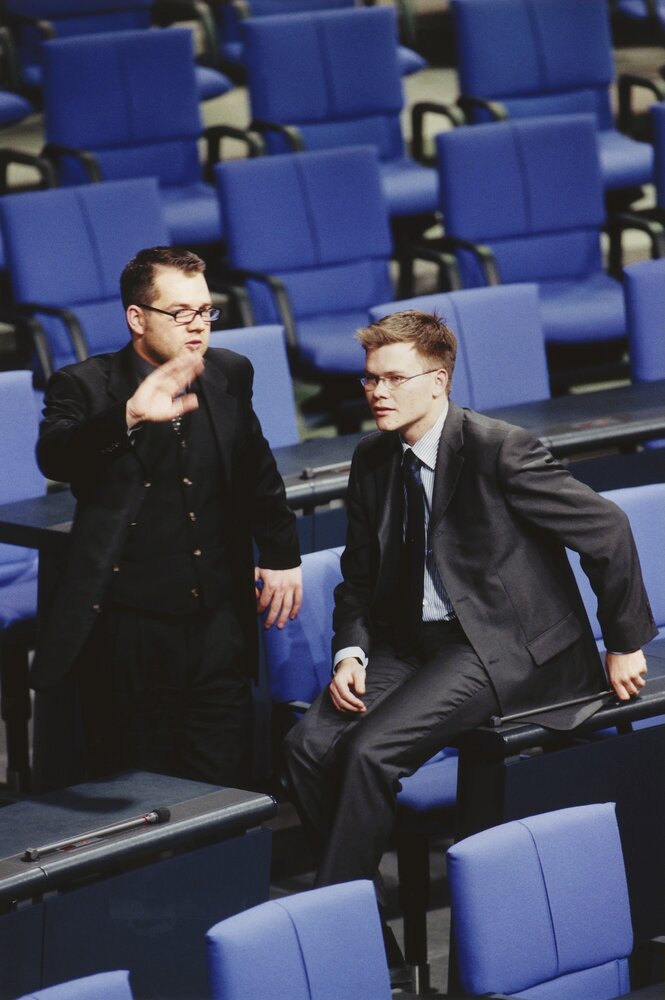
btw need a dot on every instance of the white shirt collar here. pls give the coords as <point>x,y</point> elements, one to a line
<point>426,447</point>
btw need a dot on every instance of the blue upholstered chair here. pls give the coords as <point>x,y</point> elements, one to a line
<point>322,943</point>
<point>523,202</point>
<point>123,105</point>
<point>533,58</point>
<point>298,663</point>
<point>309,234</point>
<point>273,398</point>
<point>229,16</point>
<point>561,876</point>
<point>20,480</point>
<point>103,986</point>
<point>82,238</point>
<point>36,21</point>
<point>329,80</point>
<point>644,289</point>
<point>501,356</point>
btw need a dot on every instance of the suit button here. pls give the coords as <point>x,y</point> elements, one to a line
<point>147,482</point>
<point>96,608</point>
<point>186,481</point>
<point>194,591</point>
<point>116,568</point>
<point>196,552</point>
<point>191,515</point>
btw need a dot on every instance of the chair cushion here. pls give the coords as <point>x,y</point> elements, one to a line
<point>589,309</point>
<point>13,108</point>
<point>192,214</point>
<point>624,162</point>
<point>409,187</point>
<point>644,289</point>
<point>210,83</point>
<point>562,875</point>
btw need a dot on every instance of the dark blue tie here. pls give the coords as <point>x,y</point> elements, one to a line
<point>414,544</point>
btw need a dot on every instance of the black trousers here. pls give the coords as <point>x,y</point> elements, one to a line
<point>344,769</point>
<point>168,694</point>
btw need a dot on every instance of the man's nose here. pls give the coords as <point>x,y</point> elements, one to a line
<point>381,390</point>
<point>197,323</point>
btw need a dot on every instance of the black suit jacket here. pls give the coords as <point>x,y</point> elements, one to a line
<point>83,441</point>
<point>503,512</point>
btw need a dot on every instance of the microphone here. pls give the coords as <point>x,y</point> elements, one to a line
<point>161,815</point>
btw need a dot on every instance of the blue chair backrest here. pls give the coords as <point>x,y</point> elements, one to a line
<point>316,220</point>
<point>531,190</point>
<point>538,57</point>
<point>645,508</point>
<point>231,22</point>
<point>335,75</point>
<point>103,986</point>
<point>298,656</point>
<point>657,116</point>
<point>130,98</point>
<point>82,238</point>
<point>501,356</point>
<point>20,479</point>
<point>644,291</point>
<point>273,398</point>
<point>282,948</point>
<point>560,879</point>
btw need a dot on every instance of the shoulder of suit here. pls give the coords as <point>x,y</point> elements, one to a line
<point>228,361</point>
<point>477,424</point>
<point>96,366</point>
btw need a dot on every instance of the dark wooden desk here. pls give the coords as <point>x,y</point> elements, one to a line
<point>141,899</point>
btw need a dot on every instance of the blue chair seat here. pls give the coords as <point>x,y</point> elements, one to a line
<point>210,83</point>
<point>192,213</point>
<point>590,310</point>
<point>624,162</point>
<point>13,108</point>
<point>19,602</point>
<point>409,187</point>
<point>327,344</point>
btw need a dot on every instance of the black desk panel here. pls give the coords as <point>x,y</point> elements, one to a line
<point>142,899</point>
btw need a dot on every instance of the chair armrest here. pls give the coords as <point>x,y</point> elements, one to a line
<point>406,253</point>
<point>54,152</point>
<point>41,165</point>
<point>617,224</point>
<point>626,84</point>
<point>220,288</point>
<point>281,299</point>
<point>75,331</point>
<point>216,133</point>
<point>290,133</point>
<point>495,109</point>
<point>418,112</point>
<point>45,28</point>
<point>31,337</point>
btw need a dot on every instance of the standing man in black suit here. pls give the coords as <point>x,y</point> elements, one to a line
<point>155,613</point>
<point>457,603</point>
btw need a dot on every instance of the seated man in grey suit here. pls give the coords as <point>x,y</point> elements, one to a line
<point>457,603</point>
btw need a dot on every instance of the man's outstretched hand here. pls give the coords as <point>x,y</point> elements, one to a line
<point>157,398</point>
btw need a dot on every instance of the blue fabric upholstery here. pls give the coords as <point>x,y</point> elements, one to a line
<point>531,191</point>
<point>561,875</point>
<point>638,10</point>
<point>335,76</point>
<point>230,27</point>
<point>644,289</point>
<point>20,480</point>
<point>645,509</point>
<point>273,398</point>
<point>83,237</point>
<point>318,222</point>
<point>84,17</point>
<point>130,99</point>
<point>284,948</point>
<point>103,986</point>
<point>548,57</point>
<point>500,345</point>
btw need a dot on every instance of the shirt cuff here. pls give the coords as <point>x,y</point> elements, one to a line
<point>354,651</point>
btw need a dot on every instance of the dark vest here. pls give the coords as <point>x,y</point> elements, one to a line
<point>177,556</point>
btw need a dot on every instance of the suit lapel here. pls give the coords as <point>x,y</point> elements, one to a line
<point>123,378</point>
<point>449,464</point>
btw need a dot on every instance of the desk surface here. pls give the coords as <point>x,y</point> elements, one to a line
<point>199,813</point>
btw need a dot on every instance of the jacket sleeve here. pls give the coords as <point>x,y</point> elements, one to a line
<point>542,492</point>
<point>353,595</point>
<point>74,440</point>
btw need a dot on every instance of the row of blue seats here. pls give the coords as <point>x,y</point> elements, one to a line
<point>561,874</point>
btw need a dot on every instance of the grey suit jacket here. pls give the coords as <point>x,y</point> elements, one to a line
<point>83,440</point>
<point>503,512</point>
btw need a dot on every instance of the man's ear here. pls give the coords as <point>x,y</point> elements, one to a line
<point>441,380</point>
<point>135,320</point>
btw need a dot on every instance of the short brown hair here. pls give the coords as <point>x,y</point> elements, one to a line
<point>428,333</point>
<point>138,276</point>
